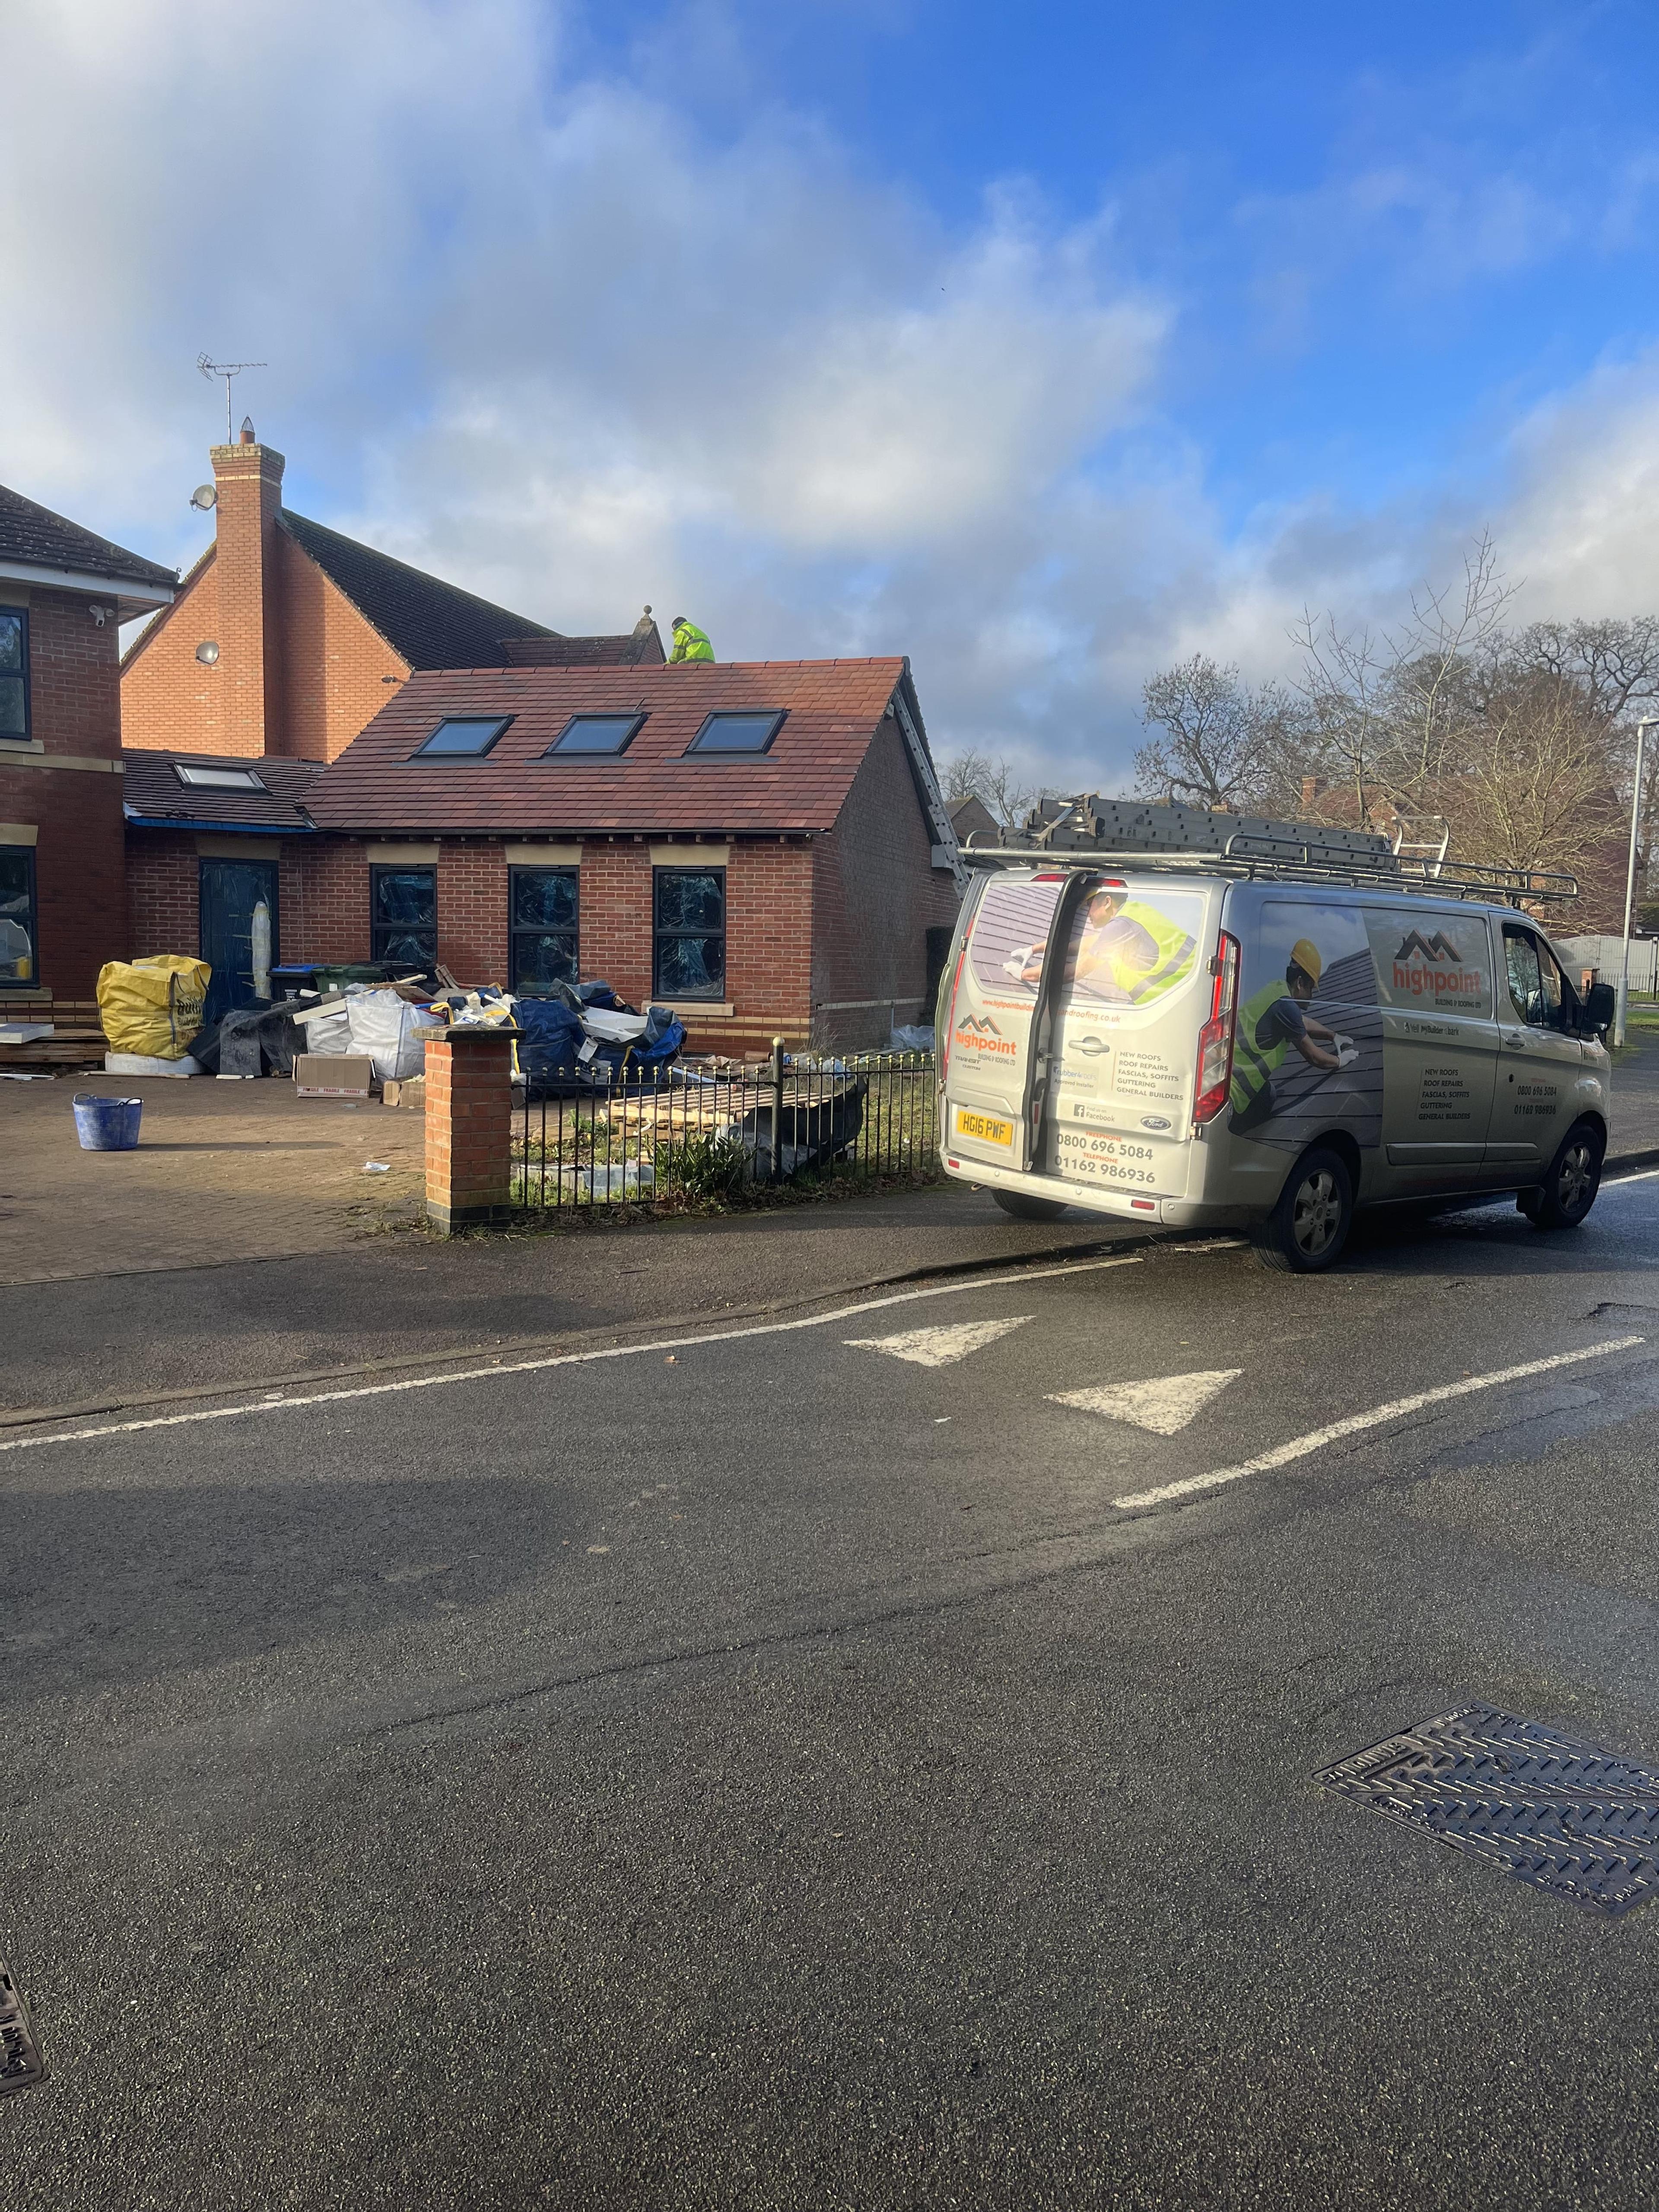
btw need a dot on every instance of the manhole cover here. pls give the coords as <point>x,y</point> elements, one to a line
<point>20,2063</point>
<point>1568,1817</point>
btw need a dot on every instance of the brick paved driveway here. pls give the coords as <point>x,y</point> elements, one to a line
<point>224,1171</point>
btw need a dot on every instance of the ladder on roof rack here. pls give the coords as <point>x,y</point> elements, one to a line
<point>1428,848</point>
<point>1089,830</point>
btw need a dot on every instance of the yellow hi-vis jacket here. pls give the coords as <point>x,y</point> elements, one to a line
<point>1172,963</point>
<point>690,643</point>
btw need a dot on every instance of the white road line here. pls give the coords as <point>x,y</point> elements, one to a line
<point>1619,1181</point>
<point>568,1359</point>
<point>1299,1446</point>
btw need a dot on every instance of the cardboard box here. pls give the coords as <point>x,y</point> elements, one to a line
<point>409,1092</point>
<point>332,1075</point>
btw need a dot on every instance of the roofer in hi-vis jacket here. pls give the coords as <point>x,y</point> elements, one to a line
<point>690,642</point>
<point>1270,1022</point>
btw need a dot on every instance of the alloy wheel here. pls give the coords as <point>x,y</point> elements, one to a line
<point>1576,1177</point>
<point>1316,1214</point>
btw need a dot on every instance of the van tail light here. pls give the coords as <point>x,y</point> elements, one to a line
<point>951,1017</point>
<point>1215,1039</point>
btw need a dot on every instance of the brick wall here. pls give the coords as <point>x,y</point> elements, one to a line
<point>300,672</point>
<point>472,927</point>
<point>163,893</point>
<point>469,1104</point>
<point>876,893</point>
<point>169,701</point>
<point>338,665</point>
<point>76,813</point>
<point>871,891</point>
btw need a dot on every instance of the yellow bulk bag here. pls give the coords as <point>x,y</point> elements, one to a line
<point>153,1007</point>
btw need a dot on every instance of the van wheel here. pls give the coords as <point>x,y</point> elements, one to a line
<point>1029,1209</point>
<point>1569,1189</point>
<point>1307,1230</point>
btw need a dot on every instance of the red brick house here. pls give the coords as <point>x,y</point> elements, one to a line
<point>285,636</point>
<point>761,844</point>
<point>63,591</point>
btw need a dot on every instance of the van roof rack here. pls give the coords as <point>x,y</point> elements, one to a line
<point>1089,831</point>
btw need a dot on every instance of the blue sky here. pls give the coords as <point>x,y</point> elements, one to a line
<point>1047,345</point>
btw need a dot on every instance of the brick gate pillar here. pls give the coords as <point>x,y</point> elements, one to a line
<point>469,1124</point>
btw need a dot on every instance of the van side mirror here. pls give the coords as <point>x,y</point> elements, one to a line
<point>1600,1004</point>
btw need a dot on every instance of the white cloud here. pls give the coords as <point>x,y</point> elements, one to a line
<point>533,330</point>
<point>1582,527</point>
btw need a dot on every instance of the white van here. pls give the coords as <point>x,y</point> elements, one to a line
<point>1263,1036</point>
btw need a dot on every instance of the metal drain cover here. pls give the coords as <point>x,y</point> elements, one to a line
<point>1568,1817</point>
<point>20,2063</point>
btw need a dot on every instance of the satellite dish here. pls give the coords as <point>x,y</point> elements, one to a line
<point>204,496</point>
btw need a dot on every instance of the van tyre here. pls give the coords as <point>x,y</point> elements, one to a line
<point>1305,1232</point>
<point>1029,1209</point>
<point>1568,1191</point>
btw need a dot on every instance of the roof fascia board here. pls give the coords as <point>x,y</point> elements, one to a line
<point>926,782</point>
<point>140,598</point>
<point>137,820</point>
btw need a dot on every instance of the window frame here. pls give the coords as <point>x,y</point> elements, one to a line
<point>1562,1023</point>
<point>189,774</point>
<point>698,751</point>
<point>31,877</point>
<point>26,735</point>
<point>515,931</point>
<point>377,929</point>
<point>556,751</point>
<point>503,723</point>
<point>658,934</point>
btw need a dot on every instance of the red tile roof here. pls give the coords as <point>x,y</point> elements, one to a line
<point>834,709</point>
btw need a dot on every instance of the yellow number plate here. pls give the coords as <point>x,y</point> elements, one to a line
<point>986,1127</point>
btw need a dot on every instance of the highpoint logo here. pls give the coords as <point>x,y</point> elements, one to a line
<point>981,1033</point>
<point>1433,965</point>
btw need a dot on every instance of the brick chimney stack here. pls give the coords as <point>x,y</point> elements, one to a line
<point>248,478</point>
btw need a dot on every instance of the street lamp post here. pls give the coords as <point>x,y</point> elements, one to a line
<point>1647,723</point>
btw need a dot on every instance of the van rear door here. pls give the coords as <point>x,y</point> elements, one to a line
<point>994,998</point>
<point>1132,994</point>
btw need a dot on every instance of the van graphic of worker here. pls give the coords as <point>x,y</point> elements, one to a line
<point>1269,1024</point>
<point>1123,952</point>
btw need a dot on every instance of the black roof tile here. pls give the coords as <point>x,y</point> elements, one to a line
<point>33,533</point>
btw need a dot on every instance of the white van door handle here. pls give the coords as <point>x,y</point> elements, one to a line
<point>1515,1039</point>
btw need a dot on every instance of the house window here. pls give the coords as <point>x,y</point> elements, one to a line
<point>404,916</point>
<point>462,736</point>
<point>588,734</point>
<point>544,910</point>
<point>689,939</point>
<point>737,733</point>
<point>13,672</point>
<point>19,970</point>
<point>218,779</point>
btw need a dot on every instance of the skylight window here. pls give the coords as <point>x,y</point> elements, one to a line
<point>737,733</point>
<point>219,779</point>
<point>464,737</point>
<point>589,734</point>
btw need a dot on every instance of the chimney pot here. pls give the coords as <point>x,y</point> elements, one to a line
<point>247,430</point>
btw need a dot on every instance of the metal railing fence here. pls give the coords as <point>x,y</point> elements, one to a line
<point>701,1131</point>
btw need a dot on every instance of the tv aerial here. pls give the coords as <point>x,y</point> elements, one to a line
<point>226,369</point>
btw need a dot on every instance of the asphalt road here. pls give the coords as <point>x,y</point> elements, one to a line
<point>763,1769</point>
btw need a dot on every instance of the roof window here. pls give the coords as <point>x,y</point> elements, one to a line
<point>464,737</point>
<point>594,734</point>
<point>219,779</point>
<point>737,733</point>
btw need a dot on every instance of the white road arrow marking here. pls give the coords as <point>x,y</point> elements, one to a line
<point>1164,1405</point>
<point>939,1348</point>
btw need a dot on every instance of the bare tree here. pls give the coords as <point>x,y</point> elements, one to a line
<point>1389,708</point>
<point>1225,744</point>
<point>1536,787</point>
<point>992,778</point>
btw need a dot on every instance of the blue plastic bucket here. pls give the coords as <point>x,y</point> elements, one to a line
<point>106,1124</point>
